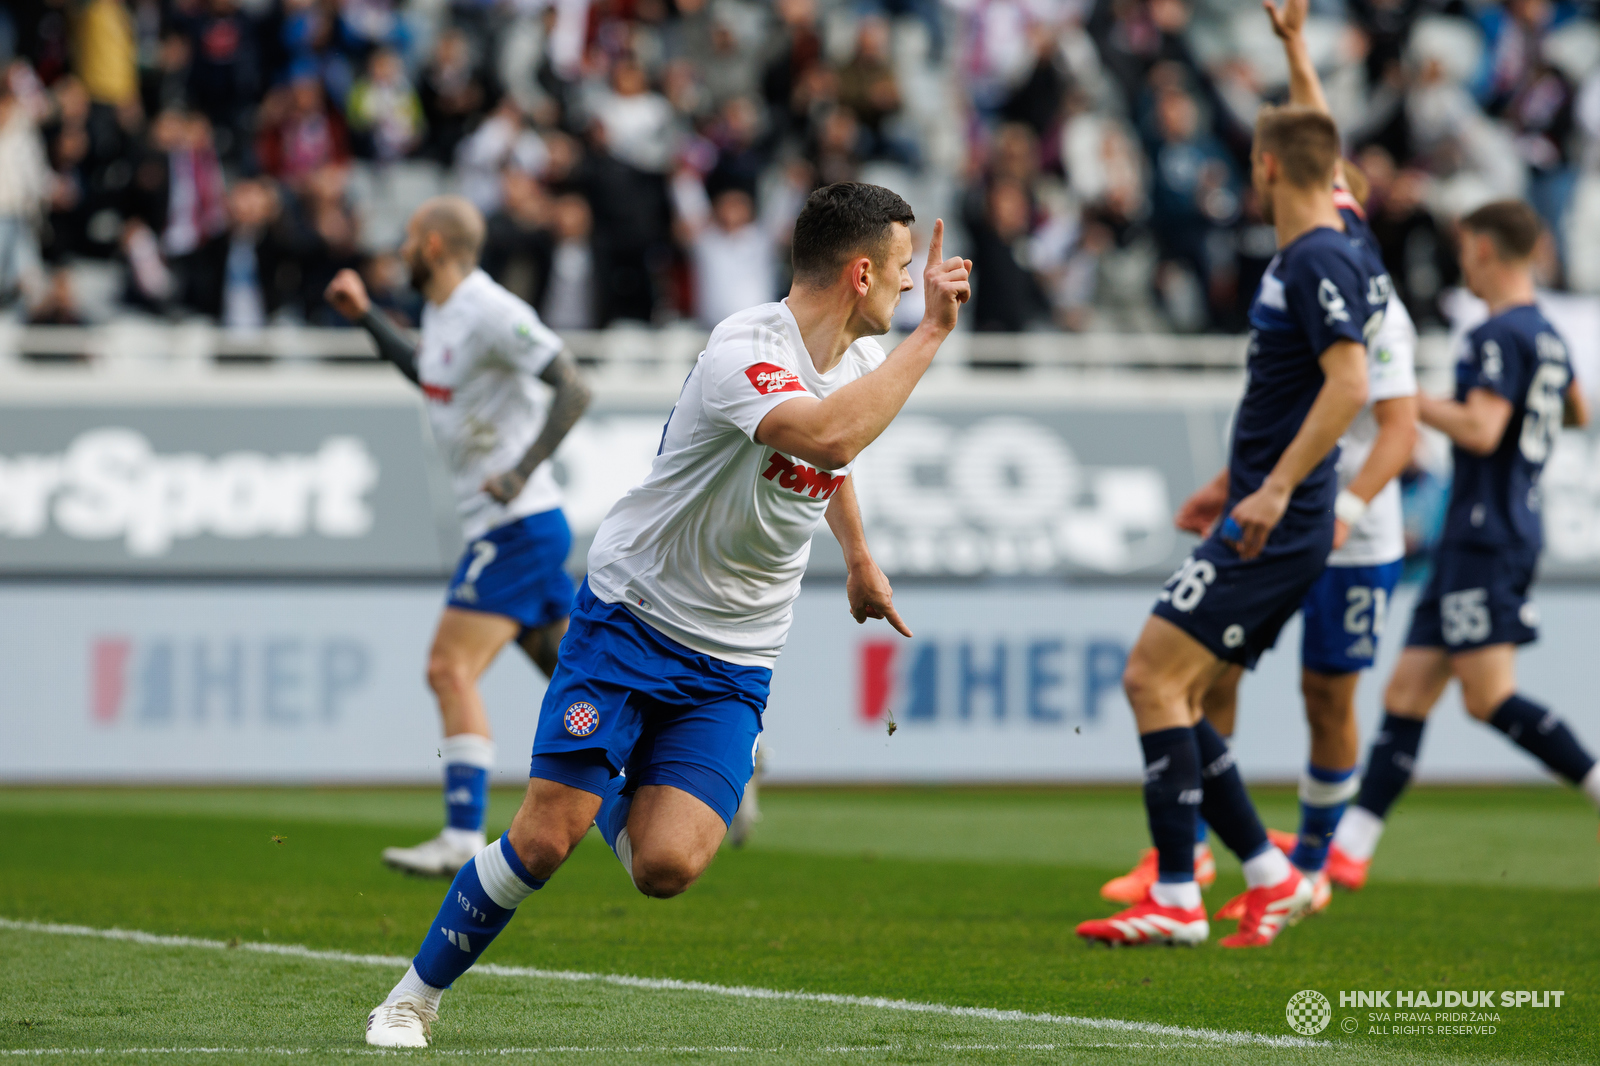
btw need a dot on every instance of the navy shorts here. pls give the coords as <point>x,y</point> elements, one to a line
<point>627,699</point>
<point>1478,597</point>
<point>1235,607</point>
<point>517,570</point>
<point>1344,615</point>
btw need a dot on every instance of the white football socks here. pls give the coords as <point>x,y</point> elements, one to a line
<point>1183,894</point>
<point>1591,784</point>
<point>413,985</point>
<point>624,850</point>
<point>1267,869</point>
<point>1359,829</point>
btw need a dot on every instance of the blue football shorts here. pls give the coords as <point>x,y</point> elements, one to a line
<point>1477,597</point>
<point>627,699</point>
<point>1344,615</point>
<point>517,570</point>
<point>1237,607</point>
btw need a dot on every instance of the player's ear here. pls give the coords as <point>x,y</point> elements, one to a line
<point>861,275</point>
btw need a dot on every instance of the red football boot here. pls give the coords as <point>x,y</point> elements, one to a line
<point>1267,910</point>
<point>1134,886</point>
<point>1149,922</point>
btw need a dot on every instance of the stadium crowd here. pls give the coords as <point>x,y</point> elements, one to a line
<point>643,160</point>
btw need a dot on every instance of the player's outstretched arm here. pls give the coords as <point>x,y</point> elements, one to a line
<point>571,399</point>
<point>866,587</point>
<point>1476,425</point>
<point>1343,394</point>
<point>348,296</point>
<point>831,432</point>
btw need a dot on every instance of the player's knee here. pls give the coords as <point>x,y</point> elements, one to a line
<point>1326,707</point>
<point>1482,701</point>
<point>663,874</point>
<point>1141,681</point>
<point>447,673</point>
<point>542,849</point>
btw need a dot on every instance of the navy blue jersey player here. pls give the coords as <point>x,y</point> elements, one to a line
<point>1514,391</point>
<point>1319,301</point>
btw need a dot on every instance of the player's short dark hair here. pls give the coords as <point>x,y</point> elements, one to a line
<point>1512,225</point>
<point>1304,141</point>
<point>840,222</point>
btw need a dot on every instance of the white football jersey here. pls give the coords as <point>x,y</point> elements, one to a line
<point>711,547</point>
<point>1391,372</point>
<point>480,359</point>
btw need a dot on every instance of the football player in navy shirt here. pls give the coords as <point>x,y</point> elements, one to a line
<point>1514,392</point>
<point>1319,301</point>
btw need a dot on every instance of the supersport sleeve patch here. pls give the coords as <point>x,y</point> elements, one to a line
<point>768,379</point>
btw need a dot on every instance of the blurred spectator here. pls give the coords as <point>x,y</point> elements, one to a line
<point>299,132</point>
<point>245,274</point>
<point>105,52</point>
<point>502,140</point>
<point>632,220</point>
<point>638,122</point>
<point>25,186</point>
<point>572,293</point>
<point>1193,193</point>
<point>1006,296</point>
<point>794,58</point>
<point>730,250</point>
<point>519,243</point>
<point>384,113</point>
<point>869,87</point>
<point>454,95</point>
<point>224,76</point>
<point>1420,259</point>
<point>165,83</point>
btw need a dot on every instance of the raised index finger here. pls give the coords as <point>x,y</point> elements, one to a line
<point>936,244</point>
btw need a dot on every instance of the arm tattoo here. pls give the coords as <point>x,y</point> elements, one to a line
<point>392,344</point>
<point>570,401</point>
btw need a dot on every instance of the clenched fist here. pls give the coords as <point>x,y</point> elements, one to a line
<point>348,294</point>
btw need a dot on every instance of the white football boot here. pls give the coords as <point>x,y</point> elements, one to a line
<point>407,1022</point>
<point>440,857</point>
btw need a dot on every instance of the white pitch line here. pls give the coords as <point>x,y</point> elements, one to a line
<point>667,984</point>
<point>503,1052</point>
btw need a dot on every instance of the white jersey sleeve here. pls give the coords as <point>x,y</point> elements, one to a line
<point>516,339</point>
<point>1392,356</point>
<point>748,372</point>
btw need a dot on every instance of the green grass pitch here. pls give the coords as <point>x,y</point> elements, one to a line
<point>960,898</point>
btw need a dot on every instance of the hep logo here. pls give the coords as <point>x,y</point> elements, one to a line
<point>769,379</point>
<point>438,393</point>
<point>1043,680</point>
<point>801,479</point>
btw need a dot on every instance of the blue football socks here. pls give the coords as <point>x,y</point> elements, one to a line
<point>1544,736</point>
<point>481,900</point>
<point>1226,805</point>
<point>1389,763</point>
<point>1323,796</point>
<point>467,761</point>
<point>1171,795</point>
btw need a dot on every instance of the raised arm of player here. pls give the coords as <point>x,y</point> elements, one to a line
<point>1341,398</point>
<point>866,587</point>
<point>571,399</point>
<point>1476,425</point>
<point>348,296</point>
<point>831,432</point>
<point>1288,22</point>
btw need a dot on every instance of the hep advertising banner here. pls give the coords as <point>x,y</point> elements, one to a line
<point>319,682</point>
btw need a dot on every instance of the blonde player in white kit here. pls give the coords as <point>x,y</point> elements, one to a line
<point>692,581</point>
<point>485,366</point>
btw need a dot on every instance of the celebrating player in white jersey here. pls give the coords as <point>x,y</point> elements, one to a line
<point>485,365</point>
<point>1344,611</point>
<point>649,728</point>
